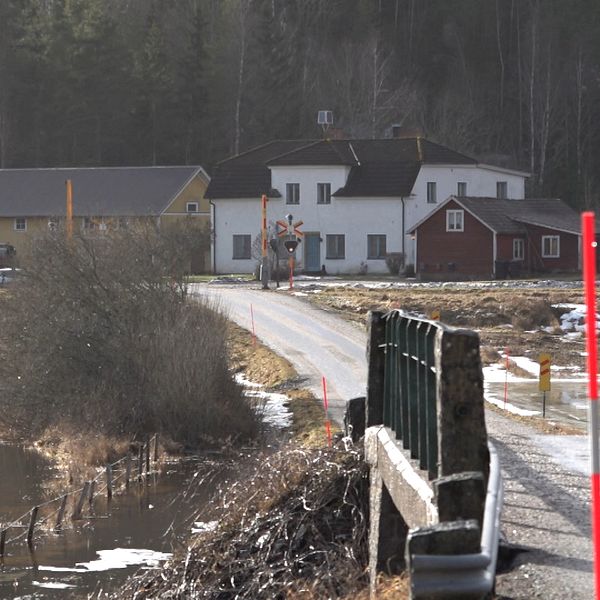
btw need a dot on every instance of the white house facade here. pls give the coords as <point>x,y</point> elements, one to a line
<point>356,199</point>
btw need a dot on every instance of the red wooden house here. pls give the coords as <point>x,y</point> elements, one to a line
<point>474,238</point>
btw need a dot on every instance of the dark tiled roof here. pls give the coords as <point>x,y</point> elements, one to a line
<point>246,175</point>
<point>111,191</point>
<point>378,167</point>
<point>509,216</point>
<point>380,180</point>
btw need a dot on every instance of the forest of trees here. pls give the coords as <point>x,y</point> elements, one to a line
<point>137,82</point>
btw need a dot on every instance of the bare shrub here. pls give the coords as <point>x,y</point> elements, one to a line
<point>99,335</point>
<point>394,261</point>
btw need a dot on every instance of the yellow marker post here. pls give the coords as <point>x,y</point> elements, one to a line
<point>435,314</point>
<point>545,383</point>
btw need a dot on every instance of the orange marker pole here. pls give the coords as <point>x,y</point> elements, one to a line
<point>69,222</point>
<point>253,331</point>
<point>291,272</point>
<point>589,279</point>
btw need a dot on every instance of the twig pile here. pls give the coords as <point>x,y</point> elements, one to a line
<point>297,528</point>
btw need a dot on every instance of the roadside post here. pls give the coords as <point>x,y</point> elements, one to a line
<point>506,365</point>
<point>264,274</point>
<point>545,384</point>
<point>69,211</point>
<point>589,279</point>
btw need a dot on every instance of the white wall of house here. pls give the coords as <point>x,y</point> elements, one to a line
<point>355,218</point>
<point>480,181</point>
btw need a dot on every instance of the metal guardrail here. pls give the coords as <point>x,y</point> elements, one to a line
<point>446,576</point>
<point>410,386</point>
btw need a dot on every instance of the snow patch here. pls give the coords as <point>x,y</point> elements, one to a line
<point>204,526</point>
<point>274,408</point>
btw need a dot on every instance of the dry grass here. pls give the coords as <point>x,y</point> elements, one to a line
<point>296,528</point>
<point>262,365</point>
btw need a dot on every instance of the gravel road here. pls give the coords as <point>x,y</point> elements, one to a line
<point>546,506</point>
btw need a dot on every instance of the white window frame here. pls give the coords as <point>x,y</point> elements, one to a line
<point>431,192</point>
<point>243,255</point>
<point>323,193</point>
<point>455,220</point>
<point>518,249</point>
<point>189,205</point>
<point>550,239</point>
<point>292,193</point>
<point>501,190</point>
<point>459,185</point>
<point>20,224</point>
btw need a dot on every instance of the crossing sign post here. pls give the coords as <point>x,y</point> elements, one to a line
<point>291,233</point>
<point>545,384</point>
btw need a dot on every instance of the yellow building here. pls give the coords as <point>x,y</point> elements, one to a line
<point>33,200</point>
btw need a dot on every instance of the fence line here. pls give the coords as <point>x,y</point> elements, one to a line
<point>111,475</point>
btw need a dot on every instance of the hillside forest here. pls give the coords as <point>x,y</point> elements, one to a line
<point>145,82</point>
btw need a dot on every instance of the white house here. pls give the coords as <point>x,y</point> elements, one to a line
<point>356,198</point>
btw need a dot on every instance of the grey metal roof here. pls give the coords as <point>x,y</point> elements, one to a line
<point>509,216</point>
<point>101,191</point>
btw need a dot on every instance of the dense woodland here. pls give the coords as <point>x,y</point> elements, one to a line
<point>136,82</point>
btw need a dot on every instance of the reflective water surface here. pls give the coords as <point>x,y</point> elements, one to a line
<point>567,402</point>
<point>136,529</point>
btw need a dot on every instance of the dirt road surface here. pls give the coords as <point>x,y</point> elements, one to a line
<point>546,506</point>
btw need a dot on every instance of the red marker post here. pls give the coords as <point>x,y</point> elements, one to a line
<point>506,351</point>
<point>326,407</point>
<point>589,279</point>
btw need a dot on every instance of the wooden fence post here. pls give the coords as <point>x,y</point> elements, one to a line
<point>140,462</point>
<point>155,447</point>
<point>61,512</point>
<point>2,541</point>
<point>92,490</point>
<point>34,512</point>
<point>108,482</point>
<point>127,469</point>
<point>148,455</point>
<point>79,506</point>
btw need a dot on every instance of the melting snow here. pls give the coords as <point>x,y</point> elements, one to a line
<point>204,526</point>
<point>118,558</point>
<point>275,409</point>
<point>52,585</point>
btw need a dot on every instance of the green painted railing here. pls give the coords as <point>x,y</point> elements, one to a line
<point>410,386</point>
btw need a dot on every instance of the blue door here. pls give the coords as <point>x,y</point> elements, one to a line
<point>312,252</point>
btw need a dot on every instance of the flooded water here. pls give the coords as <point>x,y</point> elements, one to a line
<point>567,402</point>
<point>140,528</point>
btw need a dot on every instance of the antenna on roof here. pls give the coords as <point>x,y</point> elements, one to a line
<point>325,119</point>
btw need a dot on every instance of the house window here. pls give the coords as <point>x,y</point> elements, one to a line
<point>336,246</point>
<point>20,224</point>
<point>376,246</point>
<point>550,246</point>
<point>292,193</point>
<point>518,249</point>
<point>501,190</point>
<point>323,193</point>
<point>52,223</point>
<point>191,207</point>
<point>461,188</point>
<point>431,192</point>
<point>241,246</point>
<point>89,223</point>
<point>455,220</point>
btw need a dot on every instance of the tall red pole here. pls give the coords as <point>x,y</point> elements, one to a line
<point>69,219</point>
<point>589,279</point>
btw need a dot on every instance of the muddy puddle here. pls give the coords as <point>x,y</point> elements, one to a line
<point>136,529</point>
<point>566,402</point>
